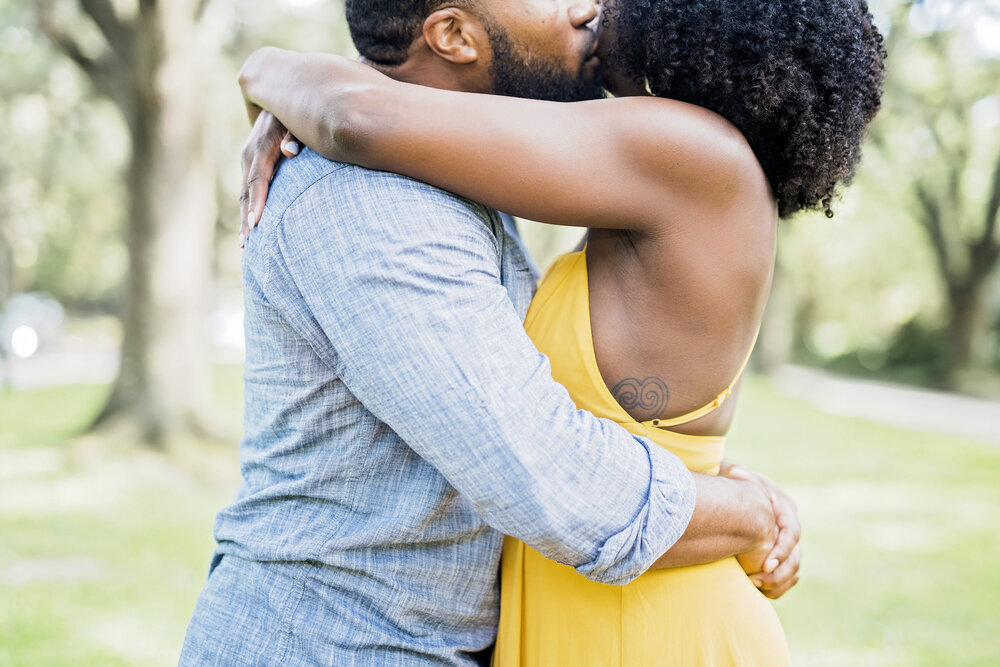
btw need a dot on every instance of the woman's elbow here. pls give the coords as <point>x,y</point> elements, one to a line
<point>350,125</point>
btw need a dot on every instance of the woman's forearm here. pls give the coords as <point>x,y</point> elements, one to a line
<point>322,99</point>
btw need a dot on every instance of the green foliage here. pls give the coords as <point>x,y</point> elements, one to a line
<point>62,149</point>
<point>916,354</point>
<point>883,271</point>
<point>62,199</point>
<point>857,281</point>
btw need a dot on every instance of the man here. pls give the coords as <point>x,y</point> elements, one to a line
<point>398,419</point>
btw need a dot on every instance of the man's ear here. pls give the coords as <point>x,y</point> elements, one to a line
<point>455,35</point>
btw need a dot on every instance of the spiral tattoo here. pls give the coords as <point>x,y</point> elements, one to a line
<point>649,396</point>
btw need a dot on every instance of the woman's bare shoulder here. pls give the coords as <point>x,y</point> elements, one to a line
<point>692,160</point>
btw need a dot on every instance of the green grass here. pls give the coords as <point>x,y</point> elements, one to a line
<point>48,416</point>
<point>900,535</point>
<point>103,547</point>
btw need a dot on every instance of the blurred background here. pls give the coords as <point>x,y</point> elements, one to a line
<point>875,397</point>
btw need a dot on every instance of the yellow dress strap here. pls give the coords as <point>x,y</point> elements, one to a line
<point>709,407</point>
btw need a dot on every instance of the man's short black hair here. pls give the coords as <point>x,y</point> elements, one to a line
<point>383,30</point>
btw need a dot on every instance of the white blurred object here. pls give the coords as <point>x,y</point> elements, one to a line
<point>224,327</point>
<point>24,341</point>
<point>31,322</point>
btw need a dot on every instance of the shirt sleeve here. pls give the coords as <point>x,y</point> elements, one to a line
<point>404,281</point>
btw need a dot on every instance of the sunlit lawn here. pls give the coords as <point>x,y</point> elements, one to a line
<point>103,547</point>
<point>902,536</point>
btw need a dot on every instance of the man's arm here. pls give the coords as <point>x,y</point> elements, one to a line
<point>731,517</point>
<point>404,282</point>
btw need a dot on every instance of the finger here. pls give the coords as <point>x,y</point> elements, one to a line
<point>782,578</point>
<point>777,587</point>
<point>787,541</point>
<point>290,145</point>
<point>258,182</point>
<point>244,207</point>
<point>786,570</point>
<point>244,200</point>
<point>262,170</point>
<point>775,593</point>
<point>736,471</point>
<point>261,155</point>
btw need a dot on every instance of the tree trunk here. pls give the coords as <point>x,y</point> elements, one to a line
<point>163,384</point>
<point>965,300</point>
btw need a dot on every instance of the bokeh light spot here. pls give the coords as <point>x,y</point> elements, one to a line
<point>24,341</point>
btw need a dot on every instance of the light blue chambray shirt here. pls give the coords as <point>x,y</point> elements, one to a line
<point>398,421</point>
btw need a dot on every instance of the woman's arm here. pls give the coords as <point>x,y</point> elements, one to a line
<point>617,163</point>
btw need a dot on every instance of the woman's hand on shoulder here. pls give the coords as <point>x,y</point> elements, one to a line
<point>267,144</point>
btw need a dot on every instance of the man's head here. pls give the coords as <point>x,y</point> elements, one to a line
<point>525,48</point>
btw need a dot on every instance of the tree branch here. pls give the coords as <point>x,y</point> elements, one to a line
<point>103,14</point>
<point>931,218</point>
<point>986,250</point>
<point>106,74</point>
<point>200,9</point>
<point>993,208</point>
<point>69,46</point>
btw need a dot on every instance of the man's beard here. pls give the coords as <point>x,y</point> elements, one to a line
<point>514,76</point>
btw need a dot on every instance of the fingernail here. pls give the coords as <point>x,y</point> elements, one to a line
<point>251,222</point>
<point>243,238</point>
<point>292,147</point>
<point>756,583</point>
<point>770,565</point>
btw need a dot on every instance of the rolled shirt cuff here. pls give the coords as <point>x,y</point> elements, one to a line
<point>658,524</point>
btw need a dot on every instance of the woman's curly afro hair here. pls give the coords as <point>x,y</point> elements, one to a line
<point>801,79</point>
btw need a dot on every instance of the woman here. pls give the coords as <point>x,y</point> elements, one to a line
<point>729,115</point>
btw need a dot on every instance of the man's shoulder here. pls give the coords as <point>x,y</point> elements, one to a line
<point>312,179</point>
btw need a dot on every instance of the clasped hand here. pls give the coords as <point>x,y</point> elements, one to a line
<point>774,566</point>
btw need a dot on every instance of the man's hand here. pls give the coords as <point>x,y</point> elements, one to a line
<point>267,143</point>
<point>774,567</point>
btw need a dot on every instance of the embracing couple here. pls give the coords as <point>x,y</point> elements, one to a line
<point>410,398</point>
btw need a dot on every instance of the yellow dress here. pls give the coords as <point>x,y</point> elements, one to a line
<point>551,616</point>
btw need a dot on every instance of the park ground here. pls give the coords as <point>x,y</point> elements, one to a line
<point>104,546</point>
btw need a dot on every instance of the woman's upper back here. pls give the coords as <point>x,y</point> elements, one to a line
<point>677,311</point>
